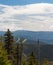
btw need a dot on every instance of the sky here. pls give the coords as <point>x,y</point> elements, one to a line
<point>32,15</point>
<point>23,2</point>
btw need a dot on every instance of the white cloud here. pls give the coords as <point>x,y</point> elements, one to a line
<point>34,17</point>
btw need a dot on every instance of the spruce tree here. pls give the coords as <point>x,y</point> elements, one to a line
<point>8,39</point>
<point>32,60</point>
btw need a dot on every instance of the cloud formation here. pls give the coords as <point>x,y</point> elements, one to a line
<point>34,17</point>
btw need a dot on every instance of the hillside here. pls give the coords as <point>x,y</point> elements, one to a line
<point>46,36</point>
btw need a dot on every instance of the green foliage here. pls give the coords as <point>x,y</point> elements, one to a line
<point>32,60</point>
<point>3,56</point>
<point>19,51</point>
<point>45,62</point>
<point>24,60</point>
<point>8,39</point>
<point>12,54</point>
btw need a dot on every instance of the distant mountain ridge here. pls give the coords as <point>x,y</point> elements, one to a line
<point>35,34</point>
<point>45,36</point>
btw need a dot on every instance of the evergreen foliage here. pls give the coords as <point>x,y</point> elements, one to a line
<point>45,62</point>
<point>19,52</point>
<point>11,53</point>
<point>3,56</point>
<point>32,60</point>
<point>8,39</point>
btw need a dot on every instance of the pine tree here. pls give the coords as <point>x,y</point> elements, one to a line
<point>32,60</point>
<point>8,39</point>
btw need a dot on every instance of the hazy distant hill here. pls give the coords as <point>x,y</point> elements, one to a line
<point>46,37</point>
<point>34,35</point>
<point>2,33</point>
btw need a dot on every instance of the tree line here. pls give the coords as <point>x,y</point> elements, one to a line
<point>11,52</point>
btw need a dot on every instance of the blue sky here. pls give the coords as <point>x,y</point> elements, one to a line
<point>23,2</point>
